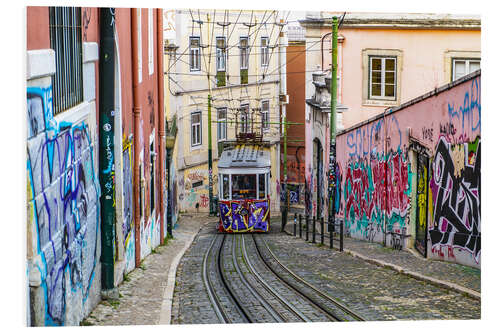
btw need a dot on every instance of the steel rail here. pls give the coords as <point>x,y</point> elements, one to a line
<point>319,292</point>
<point>264,303</point>
<point>210,288</point>
<point>229,290</point>
<point>292,308</point>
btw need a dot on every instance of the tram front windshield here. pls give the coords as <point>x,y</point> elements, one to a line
<point>244,187</point>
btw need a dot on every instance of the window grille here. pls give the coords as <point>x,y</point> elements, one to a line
<point>66,40</point>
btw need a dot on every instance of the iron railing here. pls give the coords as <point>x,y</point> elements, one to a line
<point>66,40</point>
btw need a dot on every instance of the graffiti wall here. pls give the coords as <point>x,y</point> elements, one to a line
<point>128,206</point>
<point>193,189</point>
<point>244,216</point>
<point>63,211</point>
<point>379,182</point>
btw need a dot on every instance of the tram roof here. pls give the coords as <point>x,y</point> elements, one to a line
<point>245,156</point>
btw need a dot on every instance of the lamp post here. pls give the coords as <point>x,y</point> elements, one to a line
<point>333,123</point>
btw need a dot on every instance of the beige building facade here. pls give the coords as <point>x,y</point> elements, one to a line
<point>236,58</point>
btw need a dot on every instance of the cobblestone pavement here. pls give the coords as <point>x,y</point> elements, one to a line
<point>142,292</point>
<point>452,274</point>
<point>374,292</point>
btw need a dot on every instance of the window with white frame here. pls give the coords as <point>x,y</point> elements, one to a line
<point>221,54</point>
<point>265,114</point>
<point>244,115</point>
<point>264,51</point>
<point>462,67</point>
<point>244,52</point>
<point>196,128</point>
<point>194,54</point>
<point>382,80</point>
<point>221,124</point>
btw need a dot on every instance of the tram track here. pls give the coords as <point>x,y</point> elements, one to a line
<point>246,283</point>
<point>327,304</point>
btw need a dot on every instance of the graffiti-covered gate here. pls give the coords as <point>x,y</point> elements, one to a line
<point>422,203</point>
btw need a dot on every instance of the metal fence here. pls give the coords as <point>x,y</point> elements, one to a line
<point>66,40</point>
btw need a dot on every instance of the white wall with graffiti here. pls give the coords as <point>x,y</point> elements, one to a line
<point>63,217</point>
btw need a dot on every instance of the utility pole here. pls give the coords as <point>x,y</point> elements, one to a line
<point>333,131</point>
<point>106,145</point>
<point>210,190</point>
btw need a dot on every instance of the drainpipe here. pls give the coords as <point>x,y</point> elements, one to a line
<point>106,144</point>
<point>385,179</point>
<point>136,109</point>
<point>161,116</point>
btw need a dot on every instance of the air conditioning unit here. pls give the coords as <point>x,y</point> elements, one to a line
<point>284,99</point>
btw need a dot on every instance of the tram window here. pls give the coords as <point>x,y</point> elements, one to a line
<point>244,186</point>
<point>225,186</point>
<point>262,186</point>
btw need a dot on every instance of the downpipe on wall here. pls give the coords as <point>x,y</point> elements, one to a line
<point>106,147</point>
<point>137,109</point>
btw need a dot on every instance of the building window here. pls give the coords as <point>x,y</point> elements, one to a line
<point>221,124</point>
<point>264,51</point>
<point>66,40</point>
<point>462,67</point>
<point>150,42</point>
<point>382,78</point>
<point>221,54</point>
<point>196,128</point>
<point>265,114</point>
<point>244,49</point>
<point>244,115</point>
<point>194,54</point>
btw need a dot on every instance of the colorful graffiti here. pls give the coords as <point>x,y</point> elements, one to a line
<point>369,198</point>
<point>128,206</point>
<point>244,216</point>
<point>456,193</point>
<point>63,207</point>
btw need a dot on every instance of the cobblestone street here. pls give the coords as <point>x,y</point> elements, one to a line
<point>375,292</point>
<point>142,292</point>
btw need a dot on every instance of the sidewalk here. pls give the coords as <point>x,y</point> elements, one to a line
<point>464,279</point>
<point>146,294</point>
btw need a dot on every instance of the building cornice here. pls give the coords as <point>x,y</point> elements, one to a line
<point>180,93</point>
<point>398,21</point>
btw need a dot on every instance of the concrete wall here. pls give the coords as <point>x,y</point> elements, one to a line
<point>379,181</point>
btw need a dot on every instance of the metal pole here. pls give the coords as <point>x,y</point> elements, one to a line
<point>322,231</point>
<point>285,208</point>
<point>341,236</point>
<point>300,225</point>
<point>295,224</point>
<point>314,229</point>
<point>307,228</point>
<point>106,145</point>
<point>333,120</point>
<point>210,190</point>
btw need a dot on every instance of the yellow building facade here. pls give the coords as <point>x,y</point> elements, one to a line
<point>235,58</point>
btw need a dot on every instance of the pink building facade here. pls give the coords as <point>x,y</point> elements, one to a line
<point>411,176</point>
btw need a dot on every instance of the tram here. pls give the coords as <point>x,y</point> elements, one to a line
<point>244,173</point>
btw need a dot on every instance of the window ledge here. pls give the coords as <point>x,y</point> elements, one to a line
<point>373,102</point>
